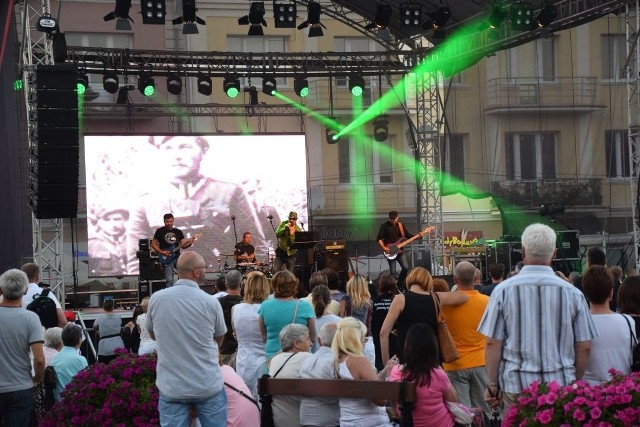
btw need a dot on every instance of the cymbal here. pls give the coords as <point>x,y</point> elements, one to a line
<point>227,255</point>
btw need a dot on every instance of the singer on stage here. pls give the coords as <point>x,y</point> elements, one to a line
<point>285,256</point>
<point>244,251</point>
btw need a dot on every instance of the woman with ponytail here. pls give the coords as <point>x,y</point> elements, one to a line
<point>321,299</point>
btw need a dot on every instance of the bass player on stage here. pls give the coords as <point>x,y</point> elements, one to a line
<point>393,232</point>
<point>168,241</point>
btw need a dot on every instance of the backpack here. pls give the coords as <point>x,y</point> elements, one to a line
<point>45,308</point>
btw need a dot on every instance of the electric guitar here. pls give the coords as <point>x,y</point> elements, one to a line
<point>396,247</point>
<point>173,249</point>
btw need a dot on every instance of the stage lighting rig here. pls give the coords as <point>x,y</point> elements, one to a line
<point>381,128</point>
<point>269,85</point>
<point>301,86</point>
<point>174,83</point>
<point>382,18</point>
<point>356,84</point>
<point>547,15</point>
<point>121,14</point>
<point>437,22</point>
<point>189,18</point>
<point>82,84</point>
<point>231,86</point>
<point>205,85</point>
<point>284,14</point>
<point>497,16</point>
<point>410,15</point>
<point>522,17</point>
<point>153,11</point>
<point>110,82</point>
<point>255,19</point>
<point>146,84</point>
<point>313,20</point>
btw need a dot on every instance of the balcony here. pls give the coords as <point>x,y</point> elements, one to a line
<point>529,93</point>
<point>531,194</point>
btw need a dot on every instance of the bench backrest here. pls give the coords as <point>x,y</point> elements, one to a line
<point>375,390</point>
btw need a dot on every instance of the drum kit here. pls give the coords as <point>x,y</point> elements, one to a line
<point>247,267</point>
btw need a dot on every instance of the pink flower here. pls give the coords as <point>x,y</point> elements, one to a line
<point>545,416</point>
<point>595,413</point>
<point>579,415</point>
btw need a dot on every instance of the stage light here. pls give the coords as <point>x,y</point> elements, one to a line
<point>382,17</point>
<point>547,15</point>
<point>255,19</point>
<point>410,15</point>
<point>205,85</point>
<point>269,85</point>
<point>330,134</point>
<point>522,17</point>
<point>189,18</point>
<point>121,13</point>
<point>18,84</point>
<point>313,20</point>
<point>110,82</point>
<point>284,14</point>
<point>146,84</point>
<point>381,128</point>
<point>497,16</point>
<point>153,11</point>
<point>253,94</point>
<point>301,86</point>
<point>174,84</point>
<point>82,84</point>
<point>442,16</point>
<point>356,85</point>
<point>231,86</point>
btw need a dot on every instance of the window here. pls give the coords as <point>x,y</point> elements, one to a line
<point>383,162</point>
<point>614,55</point>
<point>546,59</point>
<point>360,44</point>
<point>344,161</point>
<point>530,155</point>
<point>452,153</point>
<point>617,156</point>
<point>258,45</point>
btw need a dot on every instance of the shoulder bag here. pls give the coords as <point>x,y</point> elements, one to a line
<point>448,351</point>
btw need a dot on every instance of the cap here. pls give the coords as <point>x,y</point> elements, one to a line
<point>293,215</point>
<point>70,315</point>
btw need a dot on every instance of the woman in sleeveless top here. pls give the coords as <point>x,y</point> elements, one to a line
<point>347,348</point>
<point>416,305</point>
<point>629,300</point>
<point>108,326</point>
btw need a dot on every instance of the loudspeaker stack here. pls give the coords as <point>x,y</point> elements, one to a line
<point>54,137</point>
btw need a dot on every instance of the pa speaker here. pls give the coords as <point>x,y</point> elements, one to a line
<point>151,269</point>
<point>337,260</point>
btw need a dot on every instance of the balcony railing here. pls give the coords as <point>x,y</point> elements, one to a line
<point>569,192</point>
<point>534,92</point>
<point>344,199</point>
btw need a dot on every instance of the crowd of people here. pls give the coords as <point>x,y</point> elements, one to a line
<point>536,325</point>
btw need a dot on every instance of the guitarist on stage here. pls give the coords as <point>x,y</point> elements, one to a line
<point>165,241</point>
<point>392,231</point>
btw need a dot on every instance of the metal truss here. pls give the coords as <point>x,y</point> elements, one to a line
<point>209,110</point>
<point>36,49</point>
<point>633,102</point>
<point>221,64</point>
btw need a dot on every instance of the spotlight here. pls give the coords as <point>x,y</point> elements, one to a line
<point>313,20</point>
<point>255,19</point>
<point>121,13</point>
<point>547,15</point>
<point>497,16</point>
<point>522,17</point>
<point>153,11</point>
<point>146,84</point>
<point>410,15</point>
<point>356,84</point>
<point>382,18</point>
<point>231,86</point>
<point>110,82</point>
<point>205,86</point>
<point>301,86</point>
<point>441,17</point>
<point>269,85</point>
<point>174,83</point>
<point>253,94</point>
<point>284,14</point>
<point>381,128</point>
<point>189,18</point>
<point>82,84</point>
<point>330,135</point>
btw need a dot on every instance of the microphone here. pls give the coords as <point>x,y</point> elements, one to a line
<point>302,225</point>
<point>270,217</point>
<point>233,217</point>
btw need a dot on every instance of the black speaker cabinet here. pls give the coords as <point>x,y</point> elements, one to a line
<point>421,256</point>
<point>337,260</point>
<point>146,288</point>
<point>55,152</point>
<point>151,269</point>
<point>567,245</point>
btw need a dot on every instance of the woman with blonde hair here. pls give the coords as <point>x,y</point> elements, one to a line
<point>275,313</point>
<point>147,344</point>
<point>347,347</point>
<point>416,305</point>
<point>244,320</point>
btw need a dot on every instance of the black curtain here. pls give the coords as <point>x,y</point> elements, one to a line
<point>15,214</point>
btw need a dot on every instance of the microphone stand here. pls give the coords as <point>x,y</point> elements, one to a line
<point>273,227</point>
<point>235,234</point>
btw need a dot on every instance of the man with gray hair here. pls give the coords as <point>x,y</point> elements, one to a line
<point>233,282</point>
<point>467,374</point>
<point>538,326</point>
<point>320,411</point>
<point>20,335</point>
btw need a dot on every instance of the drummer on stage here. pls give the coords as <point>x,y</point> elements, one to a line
<point>244,251</point>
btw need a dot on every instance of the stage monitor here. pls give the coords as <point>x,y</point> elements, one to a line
<point>216,186</point>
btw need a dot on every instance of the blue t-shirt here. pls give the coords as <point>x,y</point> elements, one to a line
<point>277,314</point>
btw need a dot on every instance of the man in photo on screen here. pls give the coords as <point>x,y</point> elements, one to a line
<point>107,245</point>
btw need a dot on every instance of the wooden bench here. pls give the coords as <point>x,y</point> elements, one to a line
<point>402,392</point>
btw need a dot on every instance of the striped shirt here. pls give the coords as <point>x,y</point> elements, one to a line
<point>538,317</point>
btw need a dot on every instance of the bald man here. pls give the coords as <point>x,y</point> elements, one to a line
<point>188,326</point>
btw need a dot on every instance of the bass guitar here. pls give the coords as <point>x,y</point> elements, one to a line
<point>173,249</point>
<point>396,248</point>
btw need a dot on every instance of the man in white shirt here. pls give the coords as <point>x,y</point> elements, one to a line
<point>33,291</point>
